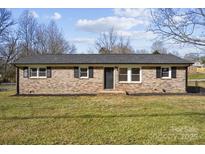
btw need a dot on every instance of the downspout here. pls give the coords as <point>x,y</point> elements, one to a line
<point>17,79</point>
<point>186,84</point>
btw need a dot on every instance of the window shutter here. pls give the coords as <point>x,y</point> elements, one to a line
<point>90,72</point>
<point>158,72</point>
<point>76,72</point>
<point>25,72</point>
<point>174,72</point>
<point>49,73</point>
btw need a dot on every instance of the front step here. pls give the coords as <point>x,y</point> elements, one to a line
<point>112,92</point>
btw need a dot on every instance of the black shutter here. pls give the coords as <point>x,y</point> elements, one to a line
<point>90,72</point>
<point>158,72</point>
<point>25,72</point>
<point>76,72</point>
<point>49,73</point>
<point>174,72</point>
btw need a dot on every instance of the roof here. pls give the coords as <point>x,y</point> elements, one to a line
<point>102,59</point>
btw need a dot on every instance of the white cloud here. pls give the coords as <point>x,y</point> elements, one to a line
<point>56,16</point>
<point>132,12</point>
<point>106,23</point>
<point>83,40</point>
<point>34,14</point>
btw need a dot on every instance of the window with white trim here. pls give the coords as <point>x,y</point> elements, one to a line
<point>165,72</point>
<point>83,72</point>
<point>33,72</point>
<point>123,74</point>
<point>130,75</point>
<point>135,76</point>
<point>38,72</point>
<point>42,72</point>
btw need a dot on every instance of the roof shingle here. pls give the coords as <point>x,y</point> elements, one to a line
<point>103,59</point>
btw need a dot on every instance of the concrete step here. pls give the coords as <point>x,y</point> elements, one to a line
<point>112,92</point>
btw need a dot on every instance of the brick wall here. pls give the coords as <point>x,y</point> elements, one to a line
<point>63,82</point>
<point>151,84</point>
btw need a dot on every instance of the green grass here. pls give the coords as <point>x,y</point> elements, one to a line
<point>102,119</point>
<point>197,76</point>
<point>8,87</point>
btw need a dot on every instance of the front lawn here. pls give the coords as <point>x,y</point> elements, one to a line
<point>102,119</point>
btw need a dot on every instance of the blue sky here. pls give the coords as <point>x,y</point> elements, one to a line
<point>83,26</point>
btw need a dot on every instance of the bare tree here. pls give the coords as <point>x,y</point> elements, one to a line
<point>176,53</point>
<point>56,41</point>
<point>27,32</point>
<point>42,39</point>
<point>192,56</point>
<point>106,42</point>
<point>123,46</point>
<point>9,52</point>
<point>158,47</point>
<point>185,26</point>
<point>5,23</point>
<point>110,42</point>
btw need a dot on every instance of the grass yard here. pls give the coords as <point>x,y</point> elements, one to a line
<point>197,76</point>
<point>102,119</point>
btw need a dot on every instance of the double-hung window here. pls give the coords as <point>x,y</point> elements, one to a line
<point>83,72</point>
<point>38,73</point>
<point>130,75</point>
<point>42,72</point>
<point>33,73</point>
<point>123,74</point>
<point>135,74</point>
<point>165,72</point>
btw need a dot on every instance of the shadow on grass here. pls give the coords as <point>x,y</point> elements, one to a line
<point>104,116</point>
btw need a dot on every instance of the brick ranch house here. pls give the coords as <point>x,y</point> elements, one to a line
<point>96,73</point>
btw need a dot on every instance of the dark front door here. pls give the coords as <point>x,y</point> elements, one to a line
<point>108,77</point>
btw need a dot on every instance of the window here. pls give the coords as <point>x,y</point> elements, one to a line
<point>130,75</point>
<point>123,74</point>
<point>33,72</point>
<point>135,74</point>
<point>42,72</point>
<point>83,72</point>
<point>38,72</point>
<point>165,72</point>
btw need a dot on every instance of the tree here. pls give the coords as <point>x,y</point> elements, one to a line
<point>158,48</point>
<point>7,42</point>
<point>5,23</point>
<point>56,41</point>
<point>176,53</point>
<point>110,42</point>
<point>123,46</point>
<point>156,52</point>
<point>203,60</point>
<point>180,25</point>
<point>9,52</point>
<point>27,32</point>
<point>192,56</point>
<point>50,40</point>
<point>106,42</point>
<point>42,39</point>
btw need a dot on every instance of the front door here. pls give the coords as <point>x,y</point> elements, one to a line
<point>108,77</point>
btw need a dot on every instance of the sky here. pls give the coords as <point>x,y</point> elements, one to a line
<point>83,26</point>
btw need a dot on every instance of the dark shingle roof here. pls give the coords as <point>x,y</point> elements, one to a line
<point>103,59</point>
